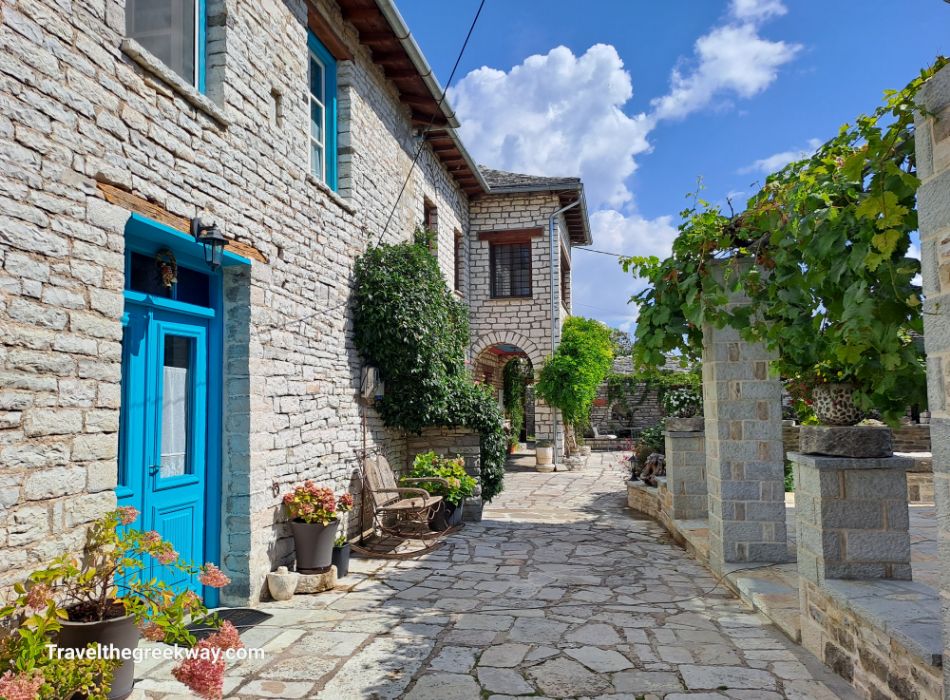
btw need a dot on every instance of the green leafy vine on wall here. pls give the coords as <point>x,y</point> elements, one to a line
<point>821,253</point>
<point>411,326</point>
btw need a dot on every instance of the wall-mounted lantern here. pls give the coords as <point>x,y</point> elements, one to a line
<point>210,236</point>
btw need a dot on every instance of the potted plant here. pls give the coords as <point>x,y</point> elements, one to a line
<point>544,455</point>
<point>683,407</point>
<point>314,511</point>
<point>108,597</point>
<point>449,480</point>
<point>341,555</point>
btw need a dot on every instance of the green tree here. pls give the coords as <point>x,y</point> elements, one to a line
<point>570,377</point>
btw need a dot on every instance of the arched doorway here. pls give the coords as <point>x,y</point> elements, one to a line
<point>490,356</point>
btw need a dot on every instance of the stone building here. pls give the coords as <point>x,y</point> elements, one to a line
<point>133,371</point>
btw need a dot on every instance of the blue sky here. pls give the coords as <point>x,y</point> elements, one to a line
<point>642,98</point>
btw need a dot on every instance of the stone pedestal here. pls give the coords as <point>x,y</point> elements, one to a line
<point>861,441</point>
<point>745,469</point>
<point>686,473</point>
<point>852,517</point>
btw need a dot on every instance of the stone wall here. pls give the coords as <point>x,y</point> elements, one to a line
<point>878,665</point>
<point>78,110</point>
<point>933,205</point>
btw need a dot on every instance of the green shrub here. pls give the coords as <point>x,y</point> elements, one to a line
<point>428,464</point>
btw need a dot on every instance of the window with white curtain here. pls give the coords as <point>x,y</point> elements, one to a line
<point>176,406</point>
<point>172,31</point>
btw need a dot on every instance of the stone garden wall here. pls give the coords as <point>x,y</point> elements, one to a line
<point>78,113</point>
<point>857,649</point>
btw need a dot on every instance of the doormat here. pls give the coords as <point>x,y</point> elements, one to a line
<point>242,618</point>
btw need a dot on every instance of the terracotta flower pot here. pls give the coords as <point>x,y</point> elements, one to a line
<point>834,404</point>
<point>314,545</point>
<point>118,632</point>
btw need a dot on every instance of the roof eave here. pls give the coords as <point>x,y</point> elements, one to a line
<point>401,30</point>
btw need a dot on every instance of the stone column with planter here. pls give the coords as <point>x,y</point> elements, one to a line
<point>686,468</point>
<point>851,505</point>
<point>745,468</point>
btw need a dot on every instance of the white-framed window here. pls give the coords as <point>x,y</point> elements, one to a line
<point>318,117</point>
<point>321,103</point>
<point>173,31</point>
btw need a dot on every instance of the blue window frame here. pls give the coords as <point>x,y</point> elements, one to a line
<point>321,102</point>
<point>174,32</point>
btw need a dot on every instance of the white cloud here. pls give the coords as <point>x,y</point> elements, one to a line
<point>729,59</point>
<point>563,114</point>
<point>777,161</point>
<point>756,10</point>
<point>556,114</point>
<point>600,287</point>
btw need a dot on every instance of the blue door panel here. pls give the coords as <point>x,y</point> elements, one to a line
<point>165,422</point>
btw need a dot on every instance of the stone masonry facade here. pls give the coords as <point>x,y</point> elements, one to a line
<point>524,322</point>
<point>933,203</point>
<point>84,110</point>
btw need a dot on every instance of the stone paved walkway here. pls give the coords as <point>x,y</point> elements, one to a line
<point>558,593</point>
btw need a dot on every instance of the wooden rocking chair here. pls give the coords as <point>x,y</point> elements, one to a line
<point>400,513</point>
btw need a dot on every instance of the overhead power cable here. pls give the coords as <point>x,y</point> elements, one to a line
<point>405,183</point>
<point>428,128</point>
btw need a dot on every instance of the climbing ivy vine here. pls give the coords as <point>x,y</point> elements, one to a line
<point>410,325</point>
<point>821,252</point>
<point>515,376</point>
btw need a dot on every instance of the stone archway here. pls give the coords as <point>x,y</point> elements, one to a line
<point>501,338</point>
<point>491,352</point>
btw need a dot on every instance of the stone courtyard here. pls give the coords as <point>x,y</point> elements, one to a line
<point>559,592</point>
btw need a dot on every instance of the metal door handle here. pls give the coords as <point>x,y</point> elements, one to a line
<point>154,469</point>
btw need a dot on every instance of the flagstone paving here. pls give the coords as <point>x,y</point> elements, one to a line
<point>559,593</point>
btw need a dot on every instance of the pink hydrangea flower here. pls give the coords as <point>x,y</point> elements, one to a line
<point>202,671</point>
<point>127,514</point>
<point>227,637</point>
<point>166,556</point>
<point>38,596</point>
<point>151,538</point>
<point>21,686</point>
<point>346,501</point>
<point>212,576</point>
<point>153,632</point>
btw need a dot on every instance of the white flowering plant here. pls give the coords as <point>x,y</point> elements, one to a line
<point>682,402</point>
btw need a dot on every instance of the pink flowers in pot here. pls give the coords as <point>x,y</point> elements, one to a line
<point>310,503</point>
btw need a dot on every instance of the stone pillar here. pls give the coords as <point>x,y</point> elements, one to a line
<point>686,468</point>
<point>852,517</point>
<point>745,469</point>
<point>933,208</point>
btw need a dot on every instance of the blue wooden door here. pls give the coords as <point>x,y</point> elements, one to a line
<point>164,450</point>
